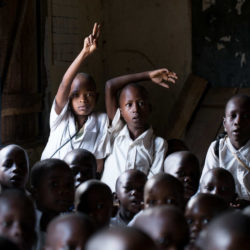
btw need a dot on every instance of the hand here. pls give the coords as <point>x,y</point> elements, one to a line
<point>90,42</point>
<point>161,76</point>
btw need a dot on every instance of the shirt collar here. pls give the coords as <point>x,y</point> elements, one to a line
<point>242,149</point>
<point>145,138</point>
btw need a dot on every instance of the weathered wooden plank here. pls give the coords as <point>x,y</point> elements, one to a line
<point>187,102</point>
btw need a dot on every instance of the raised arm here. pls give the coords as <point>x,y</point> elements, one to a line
<point>160,77</point>
<point>90,45</point>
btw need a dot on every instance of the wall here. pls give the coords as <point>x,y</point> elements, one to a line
<point>136,36</point>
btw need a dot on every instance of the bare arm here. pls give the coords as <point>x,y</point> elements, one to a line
<point>90,45</point>
<point>160,77</point>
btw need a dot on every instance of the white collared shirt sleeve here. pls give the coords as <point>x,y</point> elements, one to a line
<point>160,150</point>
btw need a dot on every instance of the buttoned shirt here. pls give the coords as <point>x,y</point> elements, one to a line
<point>237,162</point>
<point>64,135</point>
<point>146,153</point>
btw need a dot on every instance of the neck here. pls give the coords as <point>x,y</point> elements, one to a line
<point>135,132</point>
<point>126,215</point>
<point>46,218</point>
<point>81,120</point>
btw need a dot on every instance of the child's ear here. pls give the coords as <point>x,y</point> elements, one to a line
<point>224,120</point>
<point>121,111</point>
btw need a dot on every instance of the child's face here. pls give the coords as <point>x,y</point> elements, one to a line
<point>82,170</point>
<point>17,223</point>
<point>83,94</point>
<point>198,215</point>
<point>13,167</point>
<point>100,206</point>
<point>218,185</point>
<point>66,235</point>
<point>187,173</point>
<point>163,193</point>
<point>134,107</point>
<point>130,191</point>
<point>166,231</point>
<point>55,193</point>
<point>237,121</point>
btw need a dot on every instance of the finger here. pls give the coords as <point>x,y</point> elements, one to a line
<point>164,85</point>
<point>98,31</point>
<point>94,32</point>
<point>91,39</point>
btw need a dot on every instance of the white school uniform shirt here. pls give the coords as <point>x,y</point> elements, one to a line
<point>228,160</point>
<point>92,137</point>
<point>146,153</point>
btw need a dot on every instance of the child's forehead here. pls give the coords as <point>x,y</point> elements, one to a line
<point>82,83</point>
<point>131,177</point>
<point>238,103</point>
<point>131,92</point>
<point>12,151</point>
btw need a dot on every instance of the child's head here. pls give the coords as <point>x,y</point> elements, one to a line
<point>134,105</point>
<point>237,120</point>
<point>228,231</point>
<point>121,239</point>
<point>185,167</point>
<point>200,210</point>
<point>83,95</point>
<point>175,145</point>
<point>14,167</point>
<point>166,225</point>
<point>17,218</point>
<point>219,181</point>
<point>52,185</point>
<point>70,231</point>
<point>129,190</point>
<point>83,165</point>
<point>163,189</point>
<point>94,198</point>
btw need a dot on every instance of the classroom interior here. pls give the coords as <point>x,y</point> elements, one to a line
<point>204,41</point>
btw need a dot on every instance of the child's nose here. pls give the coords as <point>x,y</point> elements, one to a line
<point>135,107</point>
<point>16,230</point>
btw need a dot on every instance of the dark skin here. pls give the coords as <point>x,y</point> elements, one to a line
<point>82,164</point>
<point>219,182</point>
<point>162,192</point>
<point>13,167</point>
<point>185,167</point>
<point>68,232</point>
<point>17,221</point>
<point>200,210</point>
<point>133,104</point>
<point>129,191</point>
<point>237,120</point>
<point>54,194</point>
<point>166,225</point>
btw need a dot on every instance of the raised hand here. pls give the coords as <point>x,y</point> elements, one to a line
<point>162,76</point>
<point>90,42</point>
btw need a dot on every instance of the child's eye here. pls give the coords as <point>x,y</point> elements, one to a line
<point>128,105</point>
<point>170,201</point>
<point>6,223</point>
<point>53,184</point>
<point>7,164</point>
<point>246,116</point>
<point>209,188</point>
<point>99,206</point>
<point>189,221</point>
<point>90,94</point>
<point>141,103</point>
<point>205,221</point>
<point>163,241</point>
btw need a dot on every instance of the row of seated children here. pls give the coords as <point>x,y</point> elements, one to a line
<point>132,146</point>
<point>159,206</point>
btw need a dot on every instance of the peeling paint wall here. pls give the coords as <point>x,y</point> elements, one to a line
<point>136,36</point>
<point>221,38</point>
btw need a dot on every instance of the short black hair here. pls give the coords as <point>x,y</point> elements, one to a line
<point>42,167</point>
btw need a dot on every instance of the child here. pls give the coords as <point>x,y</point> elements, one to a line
<point>82,164</point>
<point>133,142</point>
<point>200,210</point>
<point>14,167</point>
<point>17,218</point>
<point>52,187</point>
<point>166,225</point>
<point>185,167</point>
<point>233,151</point>
<point>121,239</point>
<point>163,189</point>
<point>229,231</point>
<point>129,191</point>
<point>70,231</point>
<point>94,199</point>
<point>72,121</point>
